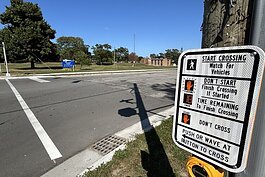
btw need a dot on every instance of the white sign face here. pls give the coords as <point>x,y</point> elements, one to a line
<point>216,99</point>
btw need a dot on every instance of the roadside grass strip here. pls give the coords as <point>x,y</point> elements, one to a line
<point>24,69</point>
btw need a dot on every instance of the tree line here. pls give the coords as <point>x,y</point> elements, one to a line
<point>27,37</point>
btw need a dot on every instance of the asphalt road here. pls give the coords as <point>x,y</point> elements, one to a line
<point>75,112</point>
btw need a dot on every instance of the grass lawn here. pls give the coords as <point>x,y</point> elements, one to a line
<point>142,159</point>
<point>18,69</point>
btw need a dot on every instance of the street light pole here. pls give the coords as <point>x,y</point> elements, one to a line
<point>4,50</point>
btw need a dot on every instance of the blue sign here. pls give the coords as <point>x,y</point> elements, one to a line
<point>68,63</point>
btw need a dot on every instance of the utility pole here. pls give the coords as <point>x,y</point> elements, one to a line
<point>134,43</point>
<point>114,55</point>
<point>256,159</point>
<point>4,50</point>
<point>225,23</point>
<point>232,23</point>
<point>134,54</point>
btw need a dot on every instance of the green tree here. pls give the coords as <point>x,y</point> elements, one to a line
<point>153,55</point>
<point>82,58</point>
<point>69,46</point>
<point>173,54</point>
<point>26,34</point>
<point>161,55</point>
<point>4,36</point>
<point>122,54</point>
<point>102,54</point>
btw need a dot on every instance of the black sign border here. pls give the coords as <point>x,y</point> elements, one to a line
<point>248,106</point>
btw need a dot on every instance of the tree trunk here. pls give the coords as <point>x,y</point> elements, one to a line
<point>32,64</point>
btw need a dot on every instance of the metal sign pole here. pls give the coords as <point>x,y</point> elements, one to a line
<point>4,50</point>
<point>256,159</point>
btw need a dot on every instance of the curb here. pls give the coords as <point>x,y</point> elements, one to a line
<point>69,74</point>
<point>129,134</point>
<point>103,72</point>
<point>89,159</point>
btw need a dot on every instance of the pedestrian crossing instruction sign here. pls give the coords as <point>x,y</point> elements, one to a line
<point>217,93</point>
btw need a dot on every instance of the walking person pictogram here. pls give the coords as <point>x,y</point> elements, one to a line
<point>191,64</point>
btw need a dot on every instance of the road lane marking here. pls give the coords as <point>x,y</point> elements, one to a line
<point>49,146</point>
<point>38,79</point>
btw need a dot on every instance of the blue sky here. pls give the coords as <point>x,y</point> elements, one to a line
<point>157,24</point>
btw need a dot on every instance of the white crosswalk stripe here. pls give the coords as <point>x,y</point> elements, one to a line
<point>48,144</point>
<point>38,80</point>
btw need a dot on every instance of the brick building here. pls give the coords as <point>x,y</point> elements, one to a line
<point>156,61</point>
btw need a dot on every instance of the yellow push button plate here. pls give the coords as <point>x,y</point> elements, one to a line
<point>199,168</point>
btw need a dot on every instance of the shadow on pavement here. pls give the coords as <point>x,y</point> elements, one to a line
<point>155,161</point>
<point>76,81</point>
